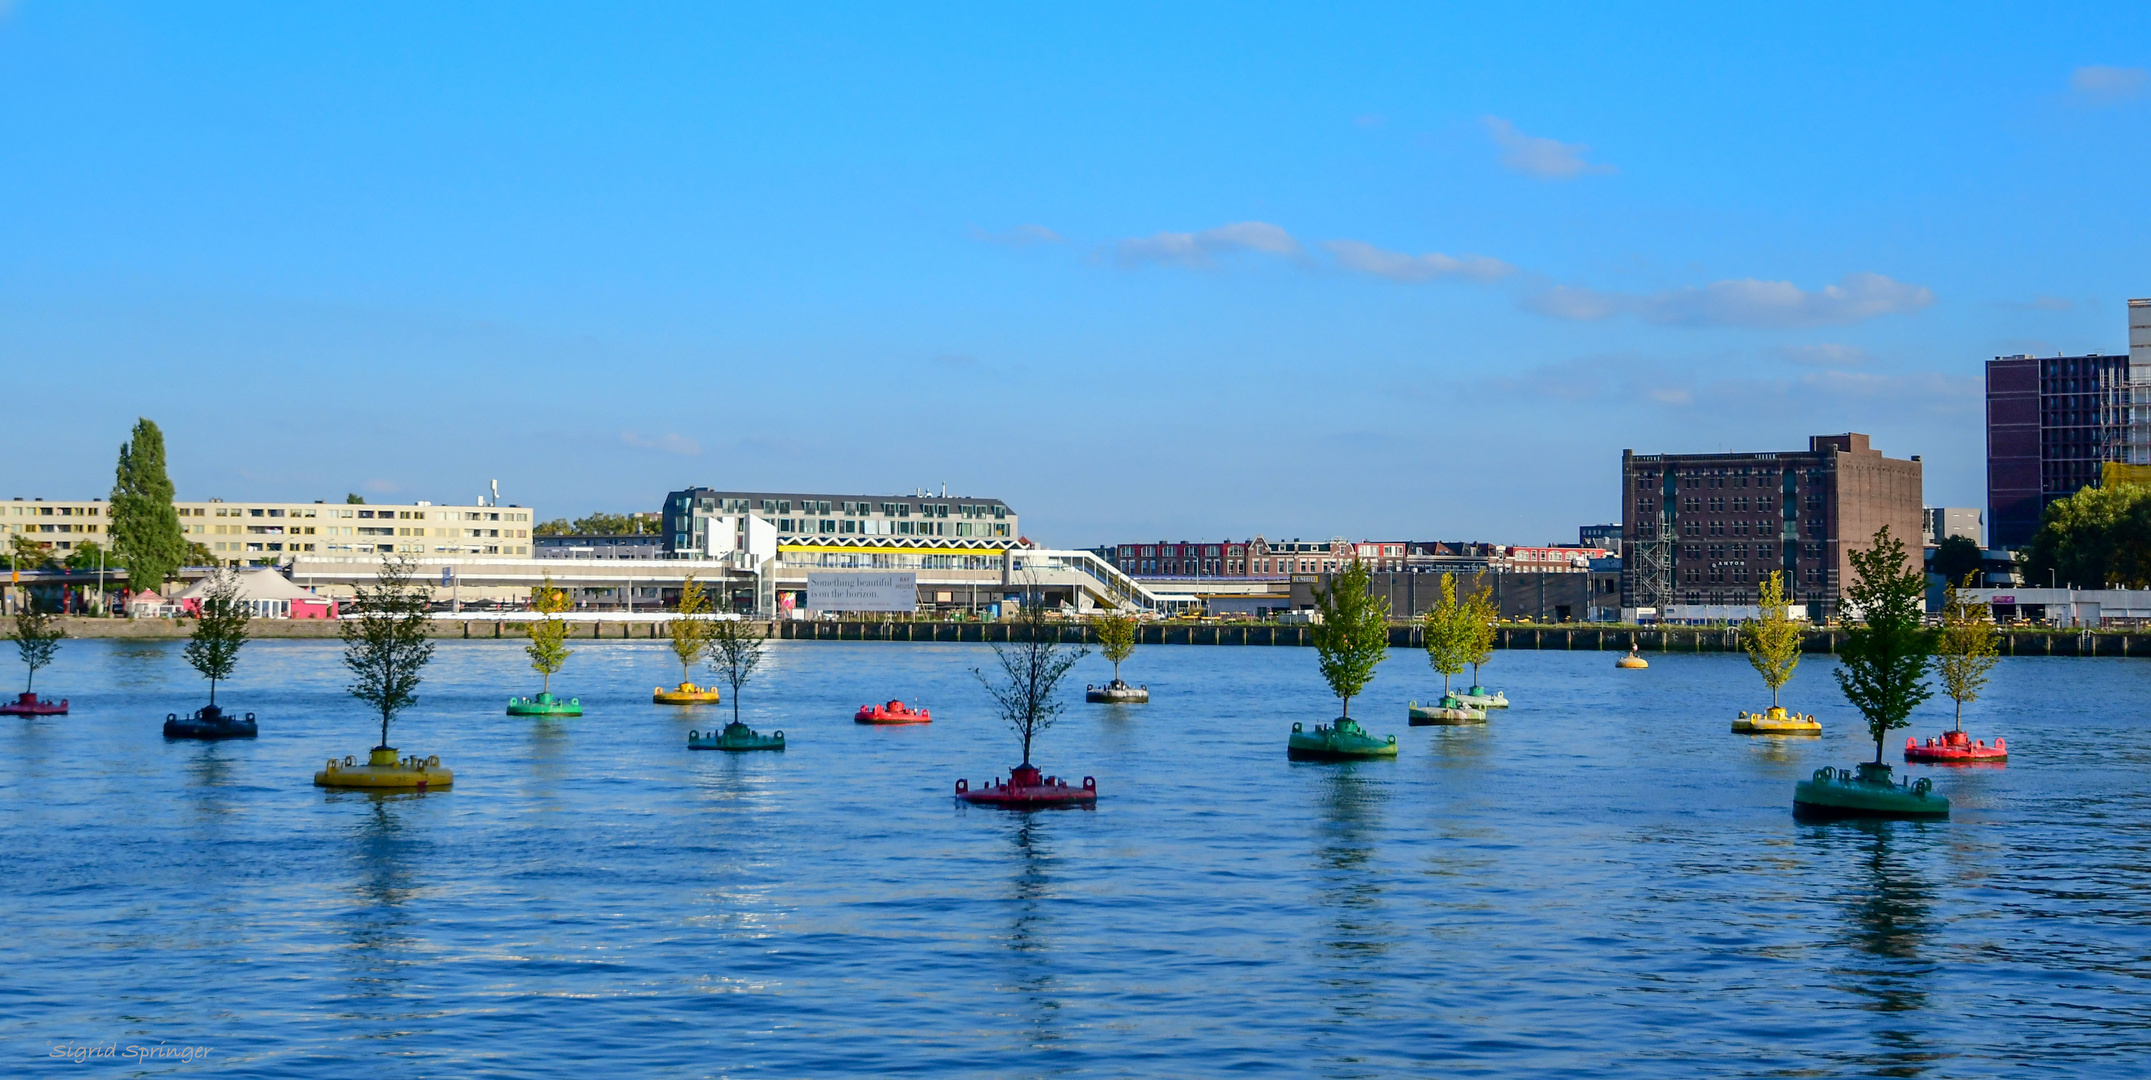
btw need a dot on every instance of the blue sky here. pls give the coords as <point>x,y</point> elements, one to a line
<point>1394,272</point>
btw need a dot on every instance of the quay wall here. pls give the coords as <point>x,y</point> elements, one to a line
<point>1585,638</point>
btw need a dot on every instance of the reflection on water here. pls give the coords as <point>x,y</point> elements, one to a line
<point>1888,909</point>
<point>384,934</point>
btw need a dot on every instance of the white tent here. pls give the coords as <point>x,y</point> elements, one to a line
<point>270,594</point>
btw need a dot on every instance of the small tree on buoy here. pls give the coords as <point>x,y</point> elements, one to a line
<point>735,650</point>
<point>548,646</point>
<point>1444,633</point>
<point>37,638</point>
<point>1884,659</point>
<point>1967,650</point>
<point>1772,641</point>
<point>1353,635</point>
<point>1480,615</point>
<point>219,631</point>
<point>1116,640</point>
<point>690,632</point>
<point>386,646</point>
<point>1026,689</point>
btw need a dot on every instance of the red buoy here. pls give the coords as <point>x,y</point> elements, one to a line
<point>1027,789</point>
<point>1955,748</point>
<point>28,705</point>
<point>895,712</point>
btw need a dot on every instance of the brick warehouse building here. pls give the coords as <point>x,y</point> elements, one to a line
<point>1701,531</point>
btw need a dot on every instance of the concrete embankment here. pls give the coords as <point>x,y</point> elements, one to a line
<point>1564,638</point>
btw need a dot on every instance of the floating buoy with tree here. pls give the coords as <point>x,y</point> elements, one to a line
<point>1480,617</point>
<point>1966,652</point>
<point>1772,642</point>
<point>734,651</point>
<point>549,652</point>
<point>220,629</point>
<point>387,650</point>
<point>1026,690</point>
<point>37,641</point>
<point>1351,637</point>
<point>1448,643</point>
<point>1882,670</point>
<point>690,634</point>
<point>1116,642</point>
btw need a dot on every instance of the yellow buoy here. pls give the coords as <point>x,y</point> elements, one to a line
<point>383,769</point>
<point>1632,660</point>
<point>686,693</point>
<point>1775,722</point>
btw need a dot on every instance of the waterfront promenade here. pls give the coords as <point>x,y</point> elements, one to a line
<point>1565,638</point>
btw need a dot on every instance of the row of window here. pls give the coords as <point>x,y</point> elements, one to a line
<point>859,508</point>
<point>885,527</point>
<point>886,560</point>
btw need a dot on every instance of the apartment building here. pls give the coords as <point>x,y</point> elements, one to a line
<point>2054,422</point>
<point>265,533</point>
<point>806,520</point>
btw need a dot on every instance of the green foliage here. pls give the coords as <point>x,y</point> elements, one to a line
<point>1884,658</point>
<point>1116,639</point>
<point>27,554</point>
<point>386,646</point>
<point>85,556</point>
<point>1955,557</point>
<point>37,637</point>
<point>145,525</point>
<point>220,631</point>
<point>1027,688</point>
<point>1481,617</point>
<point>735,650</point>
<point>1446,635</point>
<point>1772,641</point>
<point>548,646</point>
<point>1967,650</point>
<point>198,554</point>
<point>600,524</point>
<point>1353,635</point>
<point>2098,536</point>
<point>690,633</point>
<point>354,499</point>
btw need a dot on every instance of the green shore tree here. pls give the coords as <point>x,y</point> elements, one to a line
<point>1883,663</point>
<point>1353,635</point>
<point>145,531</point>
<point>219,631</point>
<point>1772,641</point>
<point>386,647</point>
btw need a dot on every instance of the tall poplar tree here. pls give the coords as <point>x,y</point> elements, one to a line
<point>145,526</point>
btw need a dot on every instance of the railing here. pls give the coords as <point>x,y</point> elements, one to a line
<point>1112,584</point>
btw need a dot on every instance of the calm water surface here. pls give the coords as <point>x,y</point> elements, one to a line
<point>1601,881</point>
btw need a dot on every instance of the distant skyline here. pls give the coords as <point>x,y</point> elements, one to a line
<point>1187,273</point>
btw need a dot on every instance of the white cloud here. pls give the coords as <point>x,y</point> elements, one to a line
<point>1825,356</point>
<point>1020,236</point>
<point>1743,302</point>
<point>1203,248</point>
<point>2104,85</point>
<point>1397,266</point>
<point>1538,156</point>
<point>667,443</point>
<point>381,487</point>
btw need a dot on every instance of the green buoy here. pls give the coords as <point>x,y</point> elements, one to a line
<point>1343,741</point>
<point>1868,793</point>
<point>545,704</point>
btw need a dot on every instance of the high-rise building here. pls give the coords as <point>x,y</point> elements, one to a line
<point>1944,522</point>
<point>2053,422</point>
<point>1700,532</point>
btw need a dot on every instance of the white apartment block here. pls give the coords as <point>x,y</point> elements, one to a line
<point>266,533</point>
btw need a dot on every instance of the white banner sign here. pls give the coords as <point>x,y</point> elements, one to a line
<point>839,591</point>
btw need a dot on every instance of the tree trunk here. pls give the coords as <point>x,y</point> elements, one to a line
<point>1960,715</point>
<point>212,693</point>
<point>384,729</point>
<point>1347,706</point>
